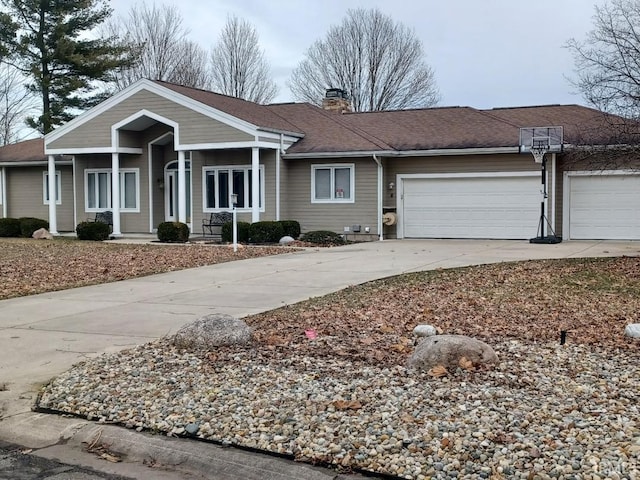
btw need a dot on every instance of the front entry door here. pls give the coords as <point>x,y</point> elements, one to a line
<point>171,192</point>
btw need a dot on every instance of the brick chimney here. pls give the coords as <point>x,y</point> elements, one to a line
<point>336,100</point>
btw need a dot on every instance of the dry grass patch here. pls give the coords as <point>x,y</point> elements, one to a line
<point>593,299</point>
<point>31,266</point>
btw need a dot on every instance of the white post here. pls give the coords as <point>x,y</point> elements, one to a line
<point>255,184</point>
<point>115,193</point>
<point>182,188</point>
<point>235,229</point>
<point>53,220</point>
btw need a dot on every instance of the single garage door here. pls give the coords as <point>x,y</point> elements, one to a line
<point>604,207</point>
<point>506,207</point>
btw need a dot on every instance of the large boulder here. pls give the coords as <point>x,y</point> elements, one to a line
<point>213,331</point>
<point>42,234</point>
<point>450,351</point>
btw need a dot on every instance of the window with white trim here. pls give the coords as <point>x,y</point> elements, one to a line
<point>98,189</point>
<point>220,182</point>
<point>333,183</point>
<point>45,188</point>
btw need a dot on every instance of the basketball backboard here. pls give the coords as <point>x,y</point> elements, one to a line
<point>547,138</point>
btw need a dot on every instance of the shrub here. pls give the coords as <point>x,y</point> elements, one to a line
<point>9,227</point>
<point>96,231</point>
<point>323,237</point>
<point>28,225</point>
<point>291,228</point>
<point>265,232</point>
<point>173,232</point>
<point>243,232</point>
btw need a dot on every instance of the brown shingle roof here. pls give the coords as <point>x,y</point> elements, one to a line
<point>325,131</point>
<point>435,128</point>
<point>581,125</point>
<point>27,151</point>
<point>256,114</point>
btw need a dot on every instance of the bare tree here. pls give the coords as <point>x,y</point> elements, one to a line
<point>16,105</point>
<point>163,51</point>
<point>238,66</point>
<point>608,61</point>
<point>379,62</point>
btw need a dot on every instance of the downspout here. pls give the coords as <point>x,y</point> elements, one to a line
<point>278,159</point>
<point>380,192</point>
<point>75,190</point>
<point>3,189</point>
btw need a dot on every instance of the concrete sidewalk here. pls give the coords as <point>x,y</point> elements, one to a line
<point>43,335</point>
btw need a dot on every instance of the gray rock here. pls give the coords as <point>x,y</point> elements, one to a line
<point>632,330</point>
<point>447,350</point>
<point>286,240</point>
<point>42,234</point>
<point>213,331</point>
<point>425,330</point>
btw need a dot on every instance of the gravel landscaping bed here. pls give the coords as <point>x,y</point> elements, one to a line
<point>546,411</point>
<point>325,381</point>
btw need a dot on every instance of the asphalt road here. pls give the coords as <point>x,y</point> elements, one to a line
<point>17,465</point>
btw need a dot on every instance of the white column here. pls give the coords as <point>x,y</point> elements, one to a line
<point>115,193</point>
<point>255,184</point>
<point>53,220</point>
<point>182,188</point>
<point>278,184</point>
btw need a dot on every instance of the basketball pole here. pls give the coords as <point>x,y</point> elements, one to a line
<point>539,153</point>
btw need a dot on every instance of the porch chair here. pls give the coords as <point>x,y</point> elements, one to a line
<point>104,217</point>
<point>213,224</point>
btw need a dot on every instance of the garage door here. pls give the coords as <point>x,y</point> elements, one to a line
<point>604,207</point>
<point>471,207</point>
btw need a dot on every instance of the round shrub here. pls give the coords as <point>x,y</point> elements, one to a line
<point>323,237</point>
<point>291,228</point>
<point>243,232</point>
<point>9,227</point>
<point>265,232</point>
<point>173,232</point>
<point>96,231</point>
<point>28,225</point>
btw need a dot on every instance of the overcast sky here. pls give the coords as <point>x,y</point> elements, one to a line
<point>485,53</point>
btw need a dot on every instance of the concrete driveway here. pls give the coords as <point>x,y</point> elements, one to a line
<point>43,335</point>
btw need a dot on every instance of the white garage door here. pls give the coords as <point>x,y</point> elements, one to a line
<point>471,207</point>
<point>604,207</point>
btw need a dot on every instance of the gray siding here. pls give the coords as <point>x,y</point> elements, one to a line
<point>130,222</point>
<point>25,195</point>
<point>195,127</point>
<point>328,216</point>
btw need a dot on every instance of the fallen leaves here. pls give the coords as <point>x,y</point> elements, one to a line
<point>30,266</point>
<point>438,371</point>
<point>346,404</point>
<point>101,449</point>
<point>593,299</point>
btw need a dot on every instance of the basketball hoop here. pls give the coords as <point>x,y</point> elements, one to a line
<point>538,152</point>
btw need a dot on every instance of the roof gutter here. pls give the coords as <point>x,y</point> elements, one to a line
<point>408,153</point>
<point>34,163</point>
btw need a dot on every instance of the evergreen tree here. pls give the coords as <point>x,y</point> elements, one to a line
<point>50,41</point>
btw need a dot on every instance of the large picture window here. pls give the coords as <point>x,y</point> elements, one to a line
<point>45,188</point>
<point>98,190</point>
<point>220,182</point>
<point>332,183</point>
